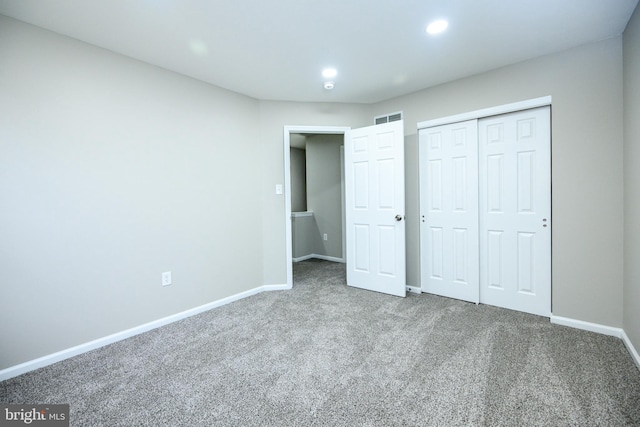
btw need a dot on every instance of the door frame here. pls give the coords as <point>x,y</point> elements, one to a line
<point>288,130</point>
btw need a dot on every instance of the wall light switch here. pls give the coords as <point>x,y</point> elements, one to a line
<point>278,188</point>
<point>166,278</point>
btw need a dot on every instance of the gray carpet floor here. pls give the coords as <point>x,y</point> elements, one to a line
<point>327,354</point>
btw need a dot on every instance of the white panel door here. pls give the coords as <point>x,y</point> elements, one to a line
<point>515,211</point>
<point>449,210</point>
<point>374,201</point>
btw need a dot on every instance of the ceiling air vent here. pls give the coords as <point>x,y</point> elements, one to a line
<point>392,117</point>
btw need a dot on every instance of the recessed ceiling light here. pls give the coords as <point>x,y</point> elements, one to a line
<point>437,26</point>
<point>329,73</point>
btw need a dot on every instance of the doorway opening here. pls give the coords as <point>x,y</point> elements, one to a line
<point>320,226</point>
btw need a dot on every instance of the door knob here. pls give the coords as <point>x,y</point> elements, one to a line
<point>398,217</point>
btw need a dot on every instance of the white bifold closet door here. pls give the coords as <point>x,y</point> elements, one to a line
<point>486,210</point>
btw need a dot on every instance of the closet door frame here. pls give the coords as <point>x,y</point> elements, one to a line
<point>473,115</point>
<point>543,101</point>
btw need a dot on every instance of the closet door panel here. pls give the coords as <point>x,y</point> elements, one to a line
<point>449,210</point>
<point>515,210</point>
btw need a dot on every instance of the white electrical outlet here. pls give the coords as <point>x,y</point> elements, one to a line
<point>166,278</point>
<point>325,237</point>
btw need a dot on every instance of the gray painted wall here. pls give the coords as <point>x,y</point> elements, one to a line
<point>113,171</point>
<point>306,236</point>
<point>587,200</point>
<point>298,163</point>
<point>324,190</point>
<point>632,179</point>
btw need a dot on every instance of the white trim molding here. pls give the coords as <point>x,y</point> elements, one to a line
<point>50,359</point>
<point>632,350</point>
<point>287,131</point>
<point>486,112</point>
<point>414,289</point>
<point>316,256</point>
<point>587,326</point>
<point>600,329</point>
<point>269,288</point>
<point>329,258</point>
<point>303,258</point>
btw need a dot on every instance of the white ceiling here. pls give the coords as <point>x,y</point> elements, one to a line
<point>276,50</point>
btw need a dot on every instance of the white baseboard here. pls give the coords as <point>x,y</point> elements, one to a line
<point>414,289</point>
<point>303,258</point>
<point>601,329</point>
<point>316,256</point>
<point>587,326</point>
<point>329,258</point>
<point>632,350</point>
<point>50,359</point>
<point>268,288</point>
